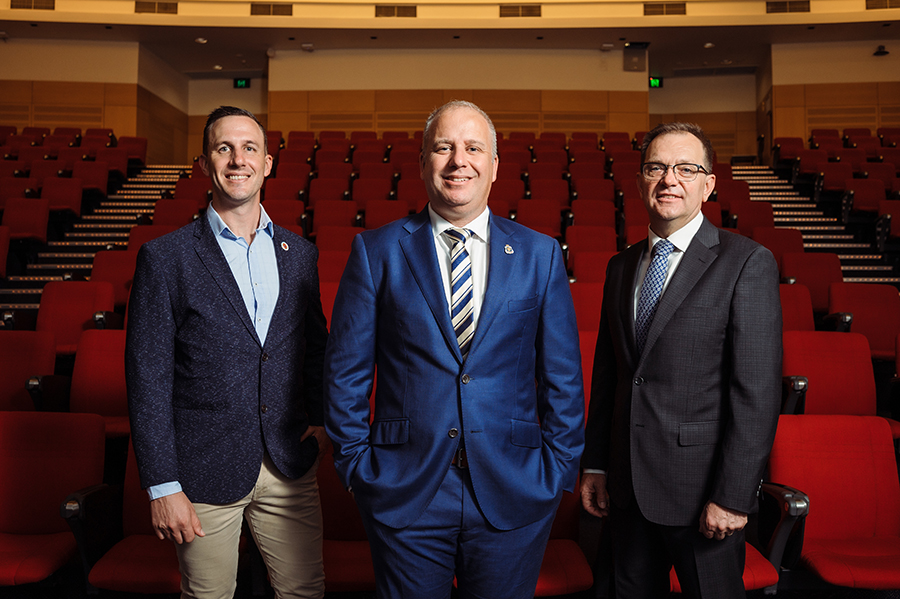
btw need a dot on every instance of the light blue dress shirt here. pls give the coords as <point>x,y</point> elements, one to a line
<point>255,271</point>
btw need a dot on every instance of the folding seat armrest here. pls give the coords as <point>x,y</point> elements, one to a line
<point>94,515</point>
<point>304,223</point>
<point>846,205</point>
<point>793,394</point>
<point>569,219</point>
<point>8,320</point>
<point>108,320</point>
<point>789,280</point>
<point>783,512</point>
<point>882,231</point>
<point>839,322</point>
<point>50,392</point>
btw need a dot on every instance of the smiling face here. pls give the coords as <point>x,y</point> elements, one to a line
<point>671,203</point>
<point>458,165</point>
<point>236,163</point>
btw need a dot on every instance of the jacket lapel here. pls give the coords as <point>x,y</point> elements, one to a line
<point>500,271</point>
<point>696,260</point>
<point>213,259</point>
<point>418,247</point>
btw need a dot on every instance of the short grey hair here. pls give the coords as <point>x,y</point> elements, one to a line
<point>452,105</point>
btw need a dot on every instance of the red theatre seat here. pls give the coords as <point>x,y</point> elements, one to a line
<point>43,457</point>
<point>847,467</point>
<point>67,309</point>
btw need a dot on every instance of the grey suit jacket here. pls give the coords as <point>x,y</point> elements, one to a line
<point>692,418</point>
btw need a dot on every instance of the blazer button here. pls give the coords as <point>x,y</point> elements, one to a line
<point>265,357</point>
<point>264,408</point>
<point>453,433</point>
<point>465,379</point>
<point>638,381</point>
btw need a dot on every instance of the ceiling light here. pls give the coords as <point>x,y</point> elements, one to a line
<point>607,47</point>
<point>217,67</point>
<point>201,40</point>
<point>709,45</point>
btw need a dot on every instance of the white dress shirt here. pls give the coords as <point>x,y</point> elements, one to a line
<point>477,246</point>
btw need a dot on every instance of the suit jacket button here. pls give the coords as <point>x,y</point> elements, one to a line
<point>638,381</point>
<point>453,433</point>
<point>264,408</point>
<point>465,379</point>
<point>265,357</point>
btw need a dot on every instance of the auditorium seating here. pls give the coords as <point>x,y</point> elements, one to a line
<point>67,309</point>
<point>23,355</point>
<point>815,270</point>
<point>116,267</point>
<point>174,212</point>
<point>589,212</point>
<point>382,212</point>
<point>286,213</point>
<point>541,215</point>
<point>510,191</point>
<point>27,219</point>
<point>564,568</point>
<point>286,188</point>
<point>589,238</point>
<point>587,298</point>
<point>876,313</point>
<point>98,380</point>
<point>796,308</point>
<point>836,461</point>
<point>4,250</point>
<point>778,241</point>
<point>119,549</point>
<point>55,453</point>
<point>141,234</point>
<point>590,266</point>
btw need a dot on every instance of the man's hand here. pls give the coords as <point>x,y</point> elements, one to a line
<point>319,433</point>
<point>174,518</point>
<point>719,522</point>
<point>594,497</point>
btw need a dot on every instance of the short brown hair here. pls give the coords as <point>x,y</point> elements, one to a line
<point>691,128</point>
<point>223,111</point>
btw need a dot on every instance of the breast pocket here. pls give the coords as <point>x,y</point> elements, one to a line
<point>523,305</point>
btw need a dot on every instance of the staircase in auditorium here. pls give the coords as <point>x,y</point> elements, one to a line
<point>859,261</point>
<point>108,225</point>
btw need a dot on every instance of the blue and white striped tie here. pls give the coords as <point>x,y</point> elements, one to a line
<point>461,302</point>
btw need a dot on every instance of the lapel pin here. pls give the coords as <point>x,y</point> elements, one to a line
<point>508,249</point>
<point>284,245</point>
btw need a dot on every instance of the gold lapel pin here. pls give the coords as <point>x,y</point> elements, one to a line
<point>284,245</point>
<point>508,249</point>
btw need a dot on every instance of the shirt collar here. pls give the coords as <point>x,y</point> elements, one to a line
<point>479,226</point>
<point>681,238</point>
<point>219,227</point>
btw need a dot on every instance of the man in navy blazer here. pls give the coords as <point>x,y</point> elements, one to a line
<point>474,438</point>
<point>225,346</point>
<point>683,409</point>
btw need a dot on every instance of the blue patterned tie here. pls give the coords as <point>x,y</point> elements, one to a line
<point>651,290</point>
<point>461,302</point>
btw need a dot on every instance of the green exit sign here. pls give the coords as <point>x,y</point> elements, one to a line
<point>242,84</point>
<point>656,82</point>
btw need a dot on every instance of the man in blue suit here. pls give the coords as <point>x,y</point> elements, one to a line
<point>225,345</point>
<point>478,413</point>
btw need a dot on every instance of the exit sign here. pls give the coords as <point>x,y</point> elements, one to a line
<point>242,84</point>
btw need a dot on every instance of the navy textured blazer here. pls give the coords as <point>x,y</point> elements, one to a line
<point>693,417</point>
<point>205,397</point>
<point>517,400</point>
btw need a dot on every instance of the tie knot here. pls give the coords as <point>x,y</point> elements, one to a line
<point>663,248</point>
<point>458,235</point>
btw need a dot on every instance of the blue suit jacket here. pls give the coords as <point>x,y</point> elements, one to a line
<point>517,399</point>
<point>205,397</point>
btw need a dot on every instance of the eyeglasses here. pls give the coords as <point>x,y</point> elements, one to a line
<point>654,171</point>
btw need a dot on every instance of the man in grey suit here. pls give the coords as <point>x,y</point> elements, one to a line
<point>686,384</point>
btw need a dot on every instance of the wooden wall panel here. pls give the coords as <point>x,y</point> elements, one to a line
<point>833,106</point>
<point>342,101</point>
<point>575,101</point>
<point>406,110</point>
<point>731,133</point>
<point>788,95</point>
<point>164,126</point>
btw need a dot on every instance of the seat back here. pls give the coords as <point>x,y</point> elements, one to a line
<point>67,309</point>
<point>796,308</point>
<point>116,267</point>
<point>44,456</point>
<point>98,377</point>
<point>838,367</point>
<point>815,270</point>
<point>23,354</point>
<point>811,451</point>
<point>876,313</point>
<point>174,212</point>
<point>141,234</point>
